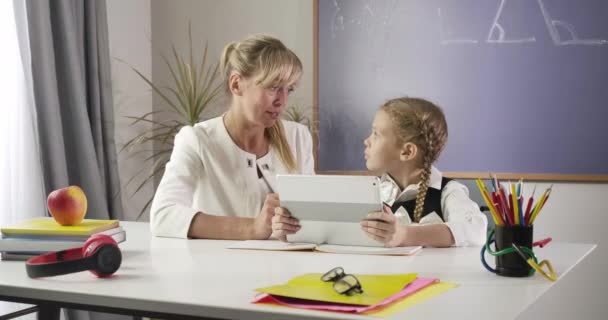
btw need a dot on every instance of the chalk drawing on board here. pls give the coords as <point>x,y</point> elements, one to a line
<point>497,27</point>
<point>363,19</point>
<point>370,18</point>
<point>552,26</point>
<point>390,10</point>
<point>337,20</point>
<point>443,35</point>
<point>382,55</point>
<point>522,84</point>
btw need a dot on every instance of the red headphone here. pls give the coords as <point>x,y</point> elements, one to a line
<point>100,255</point>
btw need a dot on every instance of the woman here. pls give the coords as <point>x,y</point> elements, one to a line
<point>220,179</point>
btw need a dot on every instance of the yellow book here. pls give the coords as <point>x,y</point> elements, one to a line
<point>49,227</point>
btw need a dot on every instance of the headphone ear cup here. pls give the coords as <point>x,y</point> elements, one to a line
<point>96,240</point>
<point>105,252</point>
<point>107,260</point>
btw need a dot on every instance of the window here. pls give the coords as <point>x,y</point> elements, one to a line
<point>21,183</point>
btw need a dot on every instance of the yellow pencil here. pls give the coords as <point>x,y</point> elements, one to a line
<point>537,208</point>
<point>494,210</point>
<point>533,213</point>
<point>515,206</point>
<point>540,204</point>
<point>486,197</point>
<point>483,195</point>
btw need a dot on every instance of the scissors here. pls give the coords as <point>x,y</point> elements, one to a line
<point>537,266</point>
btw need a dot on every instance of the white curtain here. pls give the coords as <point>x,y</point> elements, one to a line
<point>21,184</point>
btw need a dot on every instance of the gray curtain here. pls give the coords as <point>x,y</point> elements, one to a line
<point>71,76</point>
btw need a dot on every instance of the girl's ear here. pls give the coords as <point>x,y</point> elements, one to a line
<point>409,151</point>
<point>235,84</point>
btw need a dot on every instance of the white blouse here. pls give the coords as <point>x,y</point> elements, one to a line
<point>209,173</point>
<point>462,215</point>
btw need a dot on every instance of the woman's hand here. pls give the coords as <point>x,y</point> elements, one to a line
<point>262,228</point>
<point>283,224</point>
<point>383,227</point>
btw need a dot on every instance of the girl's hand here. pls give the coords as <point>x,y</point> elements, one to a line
<point>383,227</point>
<point>262,228</point>
<point>283,224</point>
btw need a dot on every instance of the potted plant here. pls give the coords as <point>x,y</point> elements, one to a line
<point>193,88</point>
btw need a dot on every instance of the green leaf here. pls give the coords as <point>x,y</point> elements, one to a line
<point>143,210</point>
<point>182,72</point>
<point>157,169</point>
<point>138,119</point>
<point>146,115</point>
<point>178,83</point>
<point>157,154</point>
<point>180,98</point>
<point>154,87</point>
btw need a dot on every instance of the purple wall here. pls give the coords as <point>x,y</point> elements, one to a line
<point>523,83</point>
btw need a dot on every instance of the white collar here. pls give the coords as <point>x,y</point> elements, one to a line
<point>391,192</point>
<point>236,148</point>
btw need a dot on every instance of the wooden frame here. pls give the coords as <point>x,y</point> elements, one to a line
<point>315,83</point>
<point>457,175</point>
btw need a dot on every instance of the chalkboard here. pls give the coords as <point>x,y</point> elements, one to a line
<point>523,83</point>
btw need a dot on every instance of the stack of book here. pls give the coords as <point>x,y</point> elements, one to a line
<point>41,235</point>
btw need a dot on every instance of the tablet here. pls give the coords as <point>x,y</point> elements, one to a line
<point>330,207</point>
<point>329,197</point>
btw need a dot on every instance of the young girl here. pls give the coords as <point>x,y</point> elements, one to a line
<point>408,134</point>
<point>426,209</point>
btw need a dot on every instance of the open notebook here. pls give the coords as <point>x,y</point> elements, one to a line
<point>331,248</point>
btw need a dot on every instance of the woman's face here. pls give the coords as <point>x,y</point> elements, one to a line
<point>264,105</point>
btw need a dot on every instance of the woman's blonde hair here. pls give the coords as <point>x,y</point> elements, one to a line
<point>422,123</point>
<point>270,63</point>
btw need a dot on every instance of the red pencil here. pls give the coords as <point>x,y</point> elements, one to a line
<point>501,209</point>
<point>527,215</point>
<point>498,208</point>
<point>511,206</point>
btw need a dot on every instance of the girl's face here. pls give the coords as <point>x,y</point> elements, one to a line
<point>382,152</point>
<point>264,105</point>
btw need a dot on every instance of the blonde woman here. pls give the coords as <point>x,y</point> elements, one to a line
<point>220,179</point>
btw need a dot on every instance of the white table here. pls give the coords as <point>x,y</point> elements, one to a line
<point>201,278</point>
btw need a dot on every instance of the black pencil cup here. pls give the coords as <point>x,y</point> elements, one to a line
<point>512,264</point>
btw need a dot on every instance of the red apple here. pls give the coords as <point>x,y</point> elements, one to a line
<point>67,205</point>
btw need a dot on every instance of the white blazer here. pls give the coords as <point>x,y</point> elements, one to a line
<point>208,172</point>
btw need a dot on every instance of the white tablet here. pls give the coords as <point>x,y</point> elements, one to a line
<point>330,207</point>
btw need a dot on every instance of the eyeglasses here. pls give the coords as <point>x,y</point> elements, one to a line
<point>346,284</point>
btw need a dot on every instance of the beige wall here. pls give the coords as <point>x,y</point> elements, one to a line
<point>220,22</point>
<point>129,30</point>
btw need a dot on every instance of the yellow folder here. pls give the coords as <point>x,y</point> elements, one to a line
<point>418,297</point>
<point>48,226</point>
<point>376,288</point>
